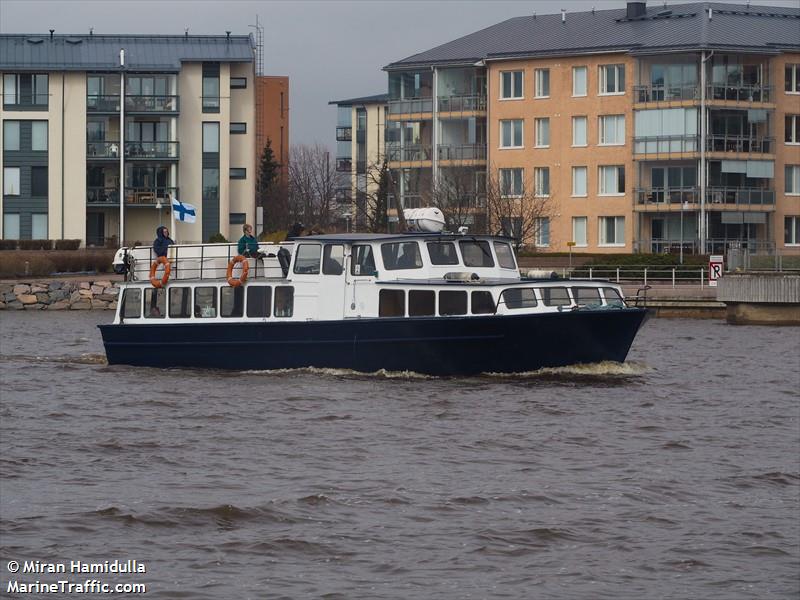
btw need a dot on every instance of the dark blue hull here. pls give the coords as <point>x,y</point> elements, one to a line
<point>436,346</point>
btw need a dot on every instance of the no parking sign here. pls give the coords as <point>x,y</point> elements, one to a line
<point>714,269</point>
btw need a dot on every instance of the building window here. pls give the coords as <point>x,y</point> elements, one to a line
<point>238,127</point>
<point>238,173</point>
<point>579,81</point>
<point>792,180</point>
<point>39,182</point>
<point>11,181</point>
<point>541,177</point>
<point>792,129</point>
<point>25,89</point>
<point>792,83</point>
<point>511,182</point>
<point>541,227</point>
<point>579,183</point>
<point>237,218</point>
<point>39,227</point>
<point>612,130</point>
<point>238,83</point>
<point>579,231</point>
<point>39,136</point>
<point>211,138</point>
<point>612,180</point>
<point>10,136</point>
<point>542,130</point>
<point>542,77</point>
<point>210,91</point>
<point>511,85</point>
<point>11,226</point>
<point>579,137</point>
<point>791,231</point>
<point>612,231</point>
<point>511,134</point>
<point>612,79</point>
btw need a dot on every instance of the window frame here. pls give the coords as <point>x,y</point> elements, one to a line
<point>603,79</point>
<point>237,85</point>
<point>8,126</point>
<point>585,70</point>
<point>602,129</point>
<point>512,85</point>
<point>214,305</point>
<point>472,303</point>
<point>435,258</point>
<point>486,252</point>
<point>537,131</point>
<point>501,258</point>
<point>791,136</point>
<point>125,300</point>
<point>309,269</point>
<point>40,186</point>
<point>600,181</point>
<point>185,290</point>
<point>512,136</point>
<point>206,127</point>
<point>791,176</point>
<point>8,179</point>
<point>513,171</point>
<point>540,239</point>
<point>791,231</point>
<point>248,301</point>
<point>585,120</point>
<point>585,221</point>
<point>601,220</point>
<point>412,302</point>
<point>418,262</point>
<point>792,83</point>
<point>538,187</point>
<point>281,290</point>
<point>585,170</point>
<point>386,305</point>
<point>462,294</point>
<point>237,173</point>
<point>44,124</point>
<point>541,78</point>
<point>234,128</point>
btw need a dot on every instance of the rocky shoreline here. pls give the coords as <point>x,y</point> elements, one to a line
<point>101,294</point>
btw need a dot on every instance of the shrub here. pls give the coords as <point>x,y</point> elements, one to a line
<point>112,243</point>
<point>217,238</point>
<point>41,264</point>
<point>68,244</point>
<point>8,244</point>
<point>35,244</point>
<point>274,236</point>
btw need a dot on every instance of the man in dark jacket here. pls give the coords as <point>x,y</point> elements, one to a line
<point>162,241</point>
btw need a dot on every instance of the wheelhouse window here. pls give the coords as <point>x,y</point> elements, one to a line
<point>231,302</point>
<point>482,303</point>
<point>205,302</point>
<point>401,255</point>
<point>612,297</point>
<point>511,85</point>
<point>180,302</point>
<point>612,79</point>
<point>452,302</point>
<point>517,298</point>
<point>587,296</point>
<point>555,296</point>
<point>284,301</point>
<point>307,261</point>
<point>505,255</point>
<point>155,303</point>
<point>476,253</point>
<point>362,261</point>
<point>392,303</point>
<point>259,298</point>
<point>442,253</point>
<point>131,304</point>
<point>421,303</point>
<point>333,259</point>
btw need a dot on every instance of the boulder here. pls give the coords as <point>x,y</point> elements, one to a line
<point>34,306</point>
<point>99,304</point>
<point>56,285</point>
<point>84,285</point>
<point>97,289</point>
<point>103,283</point>
<point>6,288</point>
<point>60,305</point>
<point>16,305</point>
<point>75,296</point>
<point>37,288</point>
<point>9,297</point>
<point>21,288</point>
<point>27,298</point>
<point>81,305</point>
<point>111,291</point>
<point>58,295</point>
<point>112,305</point>
<point>43,297</point>
<point>106,297</point>
<point>84,293</point>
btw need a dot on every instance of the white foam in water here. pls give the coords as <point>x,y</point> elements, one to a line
<point>606,368</point>
<point>381,374</point>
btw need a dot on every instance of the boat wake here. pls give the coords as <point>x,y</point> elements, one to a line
<point>348,373</point>
<point>604,369</point>
<point>86,358</point>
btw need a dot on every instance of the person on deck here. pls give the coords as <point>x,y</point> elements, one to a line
<point>248,244</point>
<point>162,241</point>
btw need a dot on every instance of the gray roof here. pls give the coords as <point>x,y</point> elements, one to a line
<point>678,27</point>
<point>40,52</point>
<point>376,99</point>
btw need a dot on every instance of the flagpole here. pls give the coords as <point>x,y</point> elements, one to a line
<point>172,229</point>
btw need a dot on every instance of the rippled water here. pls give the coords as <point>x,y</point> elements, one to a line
<point>676,475</point>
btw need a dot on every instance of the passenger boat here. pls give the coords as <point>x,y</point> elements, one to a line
<point>433,303</point>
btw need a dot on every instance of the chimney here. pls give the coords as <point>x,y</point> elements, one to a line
<point>228,36</point>
<point>636,9</point>
<point>563,15</point>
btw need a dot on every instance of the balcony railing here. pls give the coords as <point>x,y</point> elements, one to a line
<point>102,195</point>
<point>26,101</point>
<point>344,134</point>
<point>410,106</point>
<point>665,144</point>
<point>151,103</point>
<point>408,153</point>
<point>739,196</point>
<point>102,149</point>
<point>344,165</point>
<point>739,93</point>
<point>739,143</point>
<point>666,93</point>
<point>149,150</point>
<point>344,196</point>
<point>102,103</point>
<point>461,103</point>
<point>150,196</point>
<point>672,195</point>
<point>462,151</point>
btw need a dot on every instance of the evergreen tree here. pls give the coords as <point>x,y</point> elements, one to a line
<point>271,192</point>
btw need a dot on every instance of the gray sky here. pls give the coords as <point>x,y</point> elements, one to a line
<point>329,49</point>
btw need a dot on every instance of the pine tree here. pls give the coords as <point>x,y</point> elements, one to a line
<point>270,192</point>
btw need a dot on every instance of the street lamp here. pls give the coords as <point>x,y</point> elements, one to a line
<point>122,147</point>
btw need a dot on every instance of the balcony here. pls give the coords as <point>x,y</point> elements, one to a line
<point>667,144</point>
<point>678,198</point>
<point>740,144</point>
<point>466,103</point>
<point>344,165</point>
<point>740,196</point>
<point>151,104</point>
<point>659,197</point>
<point>411,106</point>
<point>666,93</point>
<point>344,134</point>
<point>134,196</point>
<point>407,153</point>
<point>462,152</point>
<point>739,93</point>
<point>102,196</point>
<point>102,103</point>
<point>151,150</point>
<point>26,101</point>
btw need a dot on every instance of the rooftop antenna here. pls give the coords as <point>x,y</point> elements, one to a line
<point>259,46</point>
<point>228,36</point>
<point>52,31</point>
<point>563,15</point>
<point>91,31</point>
<point>186,32</point>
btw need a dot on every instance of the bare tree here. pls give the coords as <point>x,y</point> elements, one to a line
<point>520,209</point>
<point>313,181</point>
<point>455,191</point>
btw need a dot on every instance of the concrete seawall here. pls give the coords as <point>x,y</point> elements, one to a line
<point>761,298</point>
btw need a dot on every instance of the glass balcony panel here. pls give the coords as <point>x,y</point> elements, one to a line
<point>102,103</point>
<point>98,195</point>
<point>472,102</point>
<point>410,106</point>
<point>150,150</point>
<point>409,152</point>
<point>740,143</point>
<point>462,152</point>
<point>150,196</point>
<point>151,103</point>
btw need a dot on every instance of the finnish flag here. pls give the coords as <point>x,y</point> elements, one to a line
<point>183,211</point>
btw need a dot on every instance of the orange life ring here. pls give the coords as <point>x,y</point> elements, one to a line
<point>233,281</point>
<point>159,283</point>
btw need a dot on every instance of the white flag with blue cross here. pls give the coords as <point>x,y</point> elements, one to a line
<point>183,211</point>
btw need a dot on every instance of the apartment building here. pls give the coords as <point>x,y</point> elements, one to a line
<point>360,130</point>
<point>651,128</point>
<point>89,142</point>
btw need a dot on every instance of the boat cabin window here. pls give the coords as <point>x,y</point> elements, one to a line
<point>612,297</point>
<point>505,255</point>
<point>587,296</point>
<point>401,255</point>
<point>482,303</point>
<point>452,302</point>
<point>258,301</point>
<point>362,261</point>
<point>442,253</point>
<point>284,301</point>
<point>307,261</point>
<point>516,298</point>
<point>392,303</point>
<point>132,304</point>
<point>155,303</point>
<point>205,302</point>
<point>332,259</point>
<point>231,301</point>
<point>555,296</point>
<point>421,303</point>
<point>476,253</point>
<point>180,302</point>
